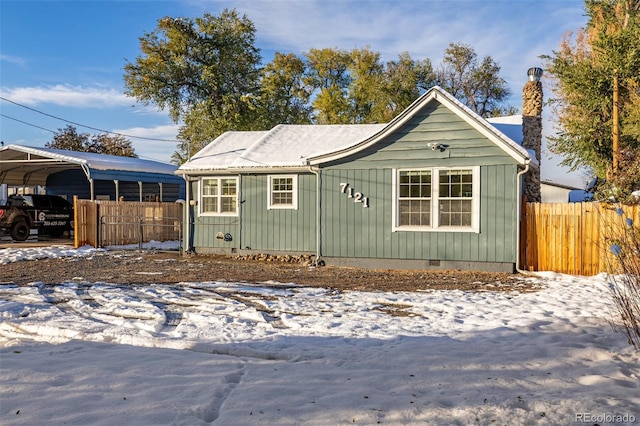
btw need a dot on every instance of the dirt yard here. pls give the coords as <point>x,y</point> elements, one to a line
<point>131,267</point>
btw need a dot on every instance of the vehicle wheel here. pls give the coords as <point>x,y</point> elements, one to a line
<point>20,231</point>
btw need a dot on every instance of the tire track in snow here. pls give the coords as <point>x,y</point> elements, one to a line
<point>107,304</point>
<point>270,316</point>
<point>172,318</point>
<point>64,304</point>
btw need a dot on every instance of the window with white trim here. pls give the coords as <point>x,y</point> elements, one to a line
<point>455,196</point>
<point>437,199</point>
<point>283,192</point>
<point>414,197</point>
<point>219,196</point>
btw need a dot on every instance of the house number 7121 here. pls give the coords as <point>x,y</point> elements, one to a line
<point>357,197</point>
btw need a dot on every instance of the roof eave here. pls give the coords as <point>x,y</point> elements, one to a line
<point>242,170</point>
<point>42,153</point>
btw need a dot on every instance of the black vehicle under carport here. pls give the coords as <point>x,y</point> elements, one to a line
<point>49,214</point>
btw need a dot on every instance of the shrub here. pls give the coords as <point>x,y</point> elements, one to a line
<point>623,239</point>
<point>621,185</point>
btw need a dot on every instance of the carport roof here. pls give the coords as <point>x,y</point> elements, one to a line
<point>25,165</point>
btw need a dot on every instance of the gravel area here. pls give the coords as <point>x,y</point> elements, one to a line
<point>132,267</point>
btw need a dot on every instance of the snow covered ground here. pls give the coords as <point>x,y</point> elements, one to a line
<point>227,353</point>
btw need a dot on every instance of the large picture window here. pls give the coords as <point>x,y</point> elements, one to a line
<point>283,192</point>
<point>437,199</point>
<point>219,196</point>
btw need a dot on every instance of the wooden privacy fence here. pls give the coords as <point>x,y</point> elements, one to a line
<point>111,223</point>
<point>573,238</point>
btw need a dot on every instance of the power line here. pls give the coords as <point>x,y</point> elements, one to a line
<point>78,124</point>
<point>48,130</point>
<point>28,124</point>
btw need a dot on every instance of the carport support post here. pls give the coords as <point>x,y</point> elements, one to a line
<point>115,181</point>
<point>140,189</point>
<point>93,196</point>
<point>160,184</point>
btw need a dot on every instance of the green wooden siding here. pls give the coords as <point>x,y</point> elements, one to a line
<point>350,230</point>
<point>278,229</point>
<point>262,229</point>
<point>349,227</point>
<point>205,228</point>
<point>408,146</point>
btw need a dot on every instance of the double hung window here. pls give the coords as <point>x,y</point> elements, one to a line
<point>283,192</point>
<point>219,196</point>
<point>455,196</point>
<point>414,197</point>
<point>437,199</point>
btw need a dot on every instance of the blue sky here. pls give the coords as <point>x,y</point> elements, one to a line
<point>66,58</point>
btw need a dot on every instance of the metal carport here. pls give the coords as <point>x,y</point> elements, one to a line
<point>30,166</point>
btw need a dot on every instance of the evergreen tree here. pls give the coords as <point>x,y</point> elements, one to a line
<point>586,68</point>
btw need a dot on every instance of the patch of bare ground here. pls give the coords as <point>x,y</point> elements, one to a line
<point>128,267</point>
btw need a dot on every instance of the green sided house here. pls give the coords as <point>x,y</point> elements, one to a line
<point>437,187</point>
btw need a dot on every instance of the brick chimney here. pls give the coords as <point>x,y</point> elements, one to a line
<point>532,130</point>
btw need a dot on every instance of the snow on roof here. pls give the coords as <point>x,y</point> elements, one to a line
<point>223,151</point>
<point>98,161</point>
<point>292,145</point>
<point>558,185</point>
<point>299,145</point>
<point>510,125</point>
<point>286,145</point>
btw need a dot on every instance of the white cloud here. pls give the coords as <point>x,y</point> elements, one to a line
<point>514,34</point>
<point>299,26</point>
<point>167,131</point>
<point>13,60</point>
<point>159,150</point>
<point>68,96</point>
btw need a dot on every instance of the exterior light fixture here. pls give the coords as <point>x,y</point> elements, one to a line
<point>438,146</point>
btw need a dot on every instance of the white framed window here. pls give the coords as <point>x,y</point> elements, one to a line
<point>437,199</point>
<point>414,197</point>
<point>219,196</point>
<point>283,192</point>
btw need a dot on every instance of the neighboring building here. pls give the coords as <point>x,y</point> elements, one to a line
<point>557,193</point>
<point>437,187</point>
<point>89,175</point>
